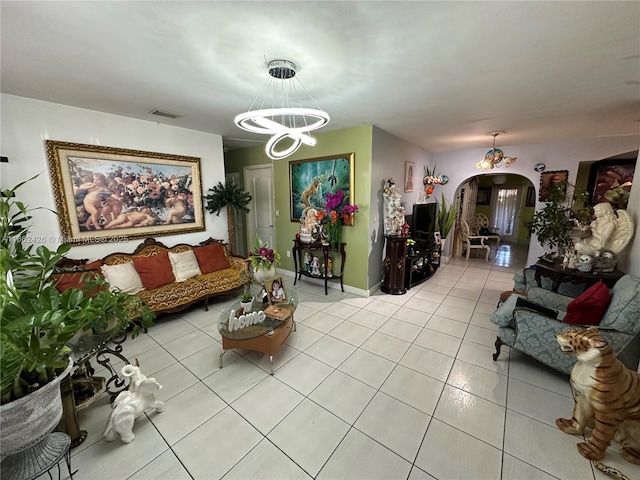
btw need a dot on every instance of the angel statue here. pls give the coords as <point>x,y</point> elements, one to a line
<point>608,231</point>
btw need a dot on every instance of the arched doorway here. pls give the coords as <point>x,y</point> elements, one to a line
<point>507,201</point>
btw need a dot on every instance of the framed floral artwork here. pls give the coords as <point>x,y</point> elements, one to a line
<point>107,194</point>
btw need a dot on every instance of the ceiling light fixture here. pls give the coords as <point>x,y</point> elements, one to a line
<point>494,157</point>
<point>287,119</point>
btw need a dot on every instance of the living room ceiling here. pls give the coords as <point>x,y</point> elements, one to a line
<point>439,75</point>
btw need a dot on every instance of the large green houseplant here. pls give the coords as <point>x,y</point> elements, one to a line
<point>36,321</point>
<point>554,223</point>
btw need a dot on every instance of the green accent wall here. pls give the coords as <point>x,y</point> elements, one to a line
<point>357,140</point>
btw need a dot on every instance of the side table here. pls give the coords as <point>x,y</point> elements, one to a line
<point>299,247</point>
<point>581,280</point>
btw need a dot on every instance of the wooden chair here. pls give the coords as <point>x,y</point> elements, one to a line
<point>480,226</point>
<point>469,242</point>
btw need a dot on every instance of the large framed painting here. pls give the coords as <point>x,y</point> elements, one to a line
<point>610,181</point>
<point>107,194</point>
<point>310,180</point>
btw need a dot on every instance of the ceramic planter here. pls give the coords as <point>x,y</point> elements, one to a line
<point>30,419</point>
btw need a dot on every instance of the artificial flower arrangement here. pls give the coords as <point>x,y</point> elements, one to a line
<point>431,178</point>
<point>334,215</point>
<point>262,256</point>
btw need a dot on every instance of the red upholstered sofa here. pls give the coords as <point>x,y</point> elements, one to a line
<point>167,279</point>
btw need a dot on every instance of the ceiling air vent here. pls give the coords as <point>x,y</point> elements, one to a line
<point>162,113</point>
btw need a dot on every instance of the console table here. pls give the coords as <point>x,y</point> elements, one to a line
<point>559,275</point>
<point>299,247</point>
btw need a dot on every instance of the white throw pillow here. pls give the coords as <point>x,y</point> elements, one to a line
<point>123,276</point>
<point>184,265</point>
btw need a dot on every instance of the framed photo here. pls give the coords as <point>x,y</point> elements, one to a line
<point>610,181</point>
<point>551,178</point>
<point>484,196</point>
<point>310,180</point>
<point>437,238</point>
<point>106,194</point>
<point>531,197</point>
<point>409,168</point>
<point>276,291</point>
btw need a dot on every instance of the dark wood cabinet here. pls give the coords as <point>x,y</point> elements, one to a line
<point>421,264</point>
<point>394,265</point>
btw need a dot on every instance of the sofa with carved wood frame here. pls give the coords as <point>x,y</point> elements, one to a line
<point>224,273</point>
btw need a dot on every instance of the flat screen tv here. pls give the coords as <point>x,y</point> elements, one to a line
<point>424,219</point>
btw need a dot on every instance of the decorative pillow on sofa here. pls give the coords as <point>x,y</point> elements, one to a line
<point>211,258</point>
<point>155,271</point>
<point>589,307</point>
<point>77,277</point>
<point>123,277</point>
<point>184,264</point>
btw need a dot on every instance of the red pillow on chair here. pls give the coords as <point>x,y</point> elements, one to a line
<point>589,307</point>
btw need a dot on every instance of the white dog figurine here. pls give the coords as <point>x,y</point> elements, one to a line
<point>132,403</point>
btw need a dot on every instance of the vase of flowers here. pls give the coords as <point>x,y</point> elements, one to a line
<point>335,214</point>
<point>263,261</point>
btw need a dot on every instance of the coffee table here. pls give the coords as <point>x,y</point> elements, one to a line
<point>266,336</point>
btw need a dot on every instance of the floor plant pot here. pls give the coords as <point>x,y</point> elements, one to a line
<point>261,275</point>
<point>30,419</point>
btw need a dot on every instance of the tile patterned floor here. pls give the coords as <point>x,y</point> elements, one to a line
<point>388,387</point>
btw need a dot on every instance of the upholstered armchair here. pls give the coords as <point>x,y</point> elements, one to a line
<point>533,333</point>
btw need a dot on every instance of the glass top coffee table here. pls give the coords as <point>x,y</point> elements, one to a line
<point>263,330</point>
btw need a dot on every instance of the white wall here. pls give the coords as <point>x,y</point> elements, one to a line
<point>27,123</point>
<point>388,155</point>
<point>460,165</point>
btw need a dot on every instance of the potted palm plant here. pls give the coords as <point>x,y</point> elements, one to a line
<point>445,219</point>
<point>36,325</point>
<point>231,196</point>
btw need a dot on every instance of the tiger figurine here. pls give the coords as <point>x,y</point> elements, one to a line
<point>606,395</point>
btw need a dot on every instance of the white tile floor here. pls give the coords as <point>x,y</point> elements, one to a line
<point>388,387</point>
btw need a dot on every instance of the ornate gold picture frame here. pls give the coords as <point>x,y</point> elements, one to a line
<point>107,194</point>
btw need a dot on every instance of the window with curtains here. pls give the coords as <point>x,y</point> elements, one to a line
<point>505,211</point>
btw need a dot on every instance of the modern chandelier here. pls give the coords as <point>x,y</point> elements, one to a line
<point>285,118</point>
<point>494,157</point>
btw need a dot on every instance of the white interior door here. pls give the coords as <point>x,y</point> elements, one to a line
<point>258,181</point>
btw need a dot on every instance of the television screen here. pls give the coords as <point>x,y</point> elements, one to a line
<point>424,219</point>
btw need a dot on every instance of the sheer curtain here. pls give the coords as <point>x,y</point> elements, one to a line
<point>505,212</point>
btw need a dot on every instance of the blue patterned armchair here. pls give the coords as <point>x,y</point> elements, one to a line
<point>534,333</point>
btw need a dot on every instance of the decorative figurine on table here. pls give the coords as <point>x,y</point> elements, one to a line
<point>604,261</point>
<point>315,267</point>
<point>307,262</point>
<point>405,229</point>
<point>308,222</point>
<point>263,295</point>
<point>393,209</point>
<point>132,403</point>
<point>584,263</point>
<point>329,267</point>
